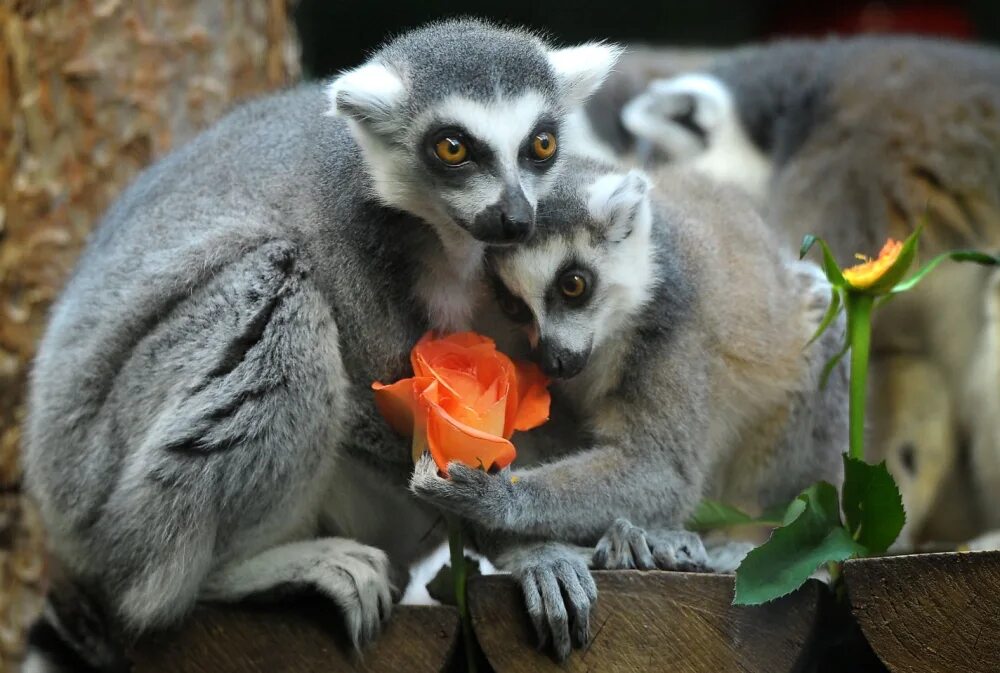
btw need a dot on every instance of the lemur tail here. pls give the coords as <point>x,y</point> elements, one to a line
<point>75,634</point>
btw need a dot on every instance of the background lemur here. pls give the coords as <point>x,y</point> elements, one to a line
<point>203,387</point>
<point>855,140</point>
<point>676,326</point>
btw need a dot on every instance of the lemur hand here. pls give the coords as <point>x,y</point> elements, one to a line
<point>473,494</point>
<point>625,546</point>
<point>559,592</point>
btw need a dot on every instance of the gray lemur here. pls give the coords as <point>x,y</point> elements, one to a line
<point>676,329</point>
<point>856,140</point>
<point>204,381</point>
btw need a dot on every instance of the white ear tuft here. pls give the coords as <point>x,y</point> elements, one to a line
<point>622,202</point>
<point>581,69</point>
<point>367,93</point>
<point>680,115</point>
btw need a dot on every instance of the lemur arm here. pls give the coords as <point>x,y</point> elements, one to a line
<point>651,475</point>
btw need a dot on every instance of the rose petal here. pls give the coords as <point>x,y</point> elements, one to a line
<point>397,403</point>
<point>450,440</point>
<point>533,397</point>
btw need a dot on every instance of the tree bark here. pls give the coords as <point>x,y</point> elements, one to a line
<point>91,91</point>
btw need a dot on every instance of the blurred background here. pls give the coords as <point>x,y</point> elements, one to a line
<point>91,91</point>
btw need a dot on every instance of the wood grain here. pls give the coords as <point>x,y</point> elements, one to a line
<point>655,621</point>
<point>302,638</point>
<point>928,613</point>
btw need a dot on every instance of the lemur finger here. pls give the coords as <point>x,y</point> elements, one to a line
<point>578,603</point>
<point>642,556</point>
<point>369,583</point>
<point>679,550</point>
<point>535,608</point>
<point>587,582</point>
<point>555,612</point>
<point>602,554</point>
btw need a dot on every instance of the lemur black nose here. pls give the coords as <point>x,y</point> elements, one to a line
<point>513,230</point>
<point>509,220</point>
<point>558,362</point>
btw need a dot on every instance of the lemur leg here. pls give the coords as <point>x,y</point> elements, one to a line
<point>353,575</point>
<point>227,412</point>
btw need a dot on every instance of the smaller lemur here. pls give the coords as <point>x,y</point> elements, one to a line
<point>676,329</point>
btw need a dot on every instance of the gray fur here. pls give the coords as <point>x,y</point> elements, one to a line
<point>204,381</point>
<point>865,138</point>
<point>699,387</point>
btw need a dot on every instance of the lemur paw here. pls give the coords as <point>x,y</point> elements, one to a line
<point>625,546</point>
<point>678,550</point>
<point>470,493</point>
<point>356,578</point>
<point>559,593</point>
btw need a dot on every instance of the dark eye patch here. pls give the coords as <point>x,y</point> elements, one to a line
<point>479,153</point>
<point>573,285</point>
<point>545,124</point>
<point>510,304</point>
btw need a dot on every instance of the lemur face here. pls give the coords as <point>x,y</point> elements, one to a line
<point>460,123</point>
<point>585,273</point>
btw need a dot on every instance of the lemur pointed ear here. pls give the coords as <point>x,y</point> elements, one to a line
<point>368,93</point>
<point>622,202</point>
<point>581,69</point>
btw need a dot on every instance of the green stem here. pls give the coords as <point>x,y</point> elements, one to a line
<point>859,327</point>
<point>460,575</point>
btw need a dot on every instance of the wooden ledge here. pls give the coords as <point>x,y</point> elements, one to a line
<point>306,637</point>
<point>927,613</point>
<point>662,621</point>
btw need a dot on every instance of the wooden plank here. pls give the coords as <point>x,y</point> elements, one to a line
<point>926,613</point>
<point>654,621</point>
<point>304,638</point>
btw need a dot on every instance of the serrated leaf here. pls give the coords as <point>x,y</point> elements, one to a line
<point>712,515</point>
<point>872,505</point>
<point>955,255</point>
<point>830,266</point>
<point>782,564</point>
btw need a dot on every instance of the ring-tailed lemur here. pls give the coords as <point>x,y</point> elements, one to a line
<point>676,327</point>
<point>856,140</point>
<point>204,381</point>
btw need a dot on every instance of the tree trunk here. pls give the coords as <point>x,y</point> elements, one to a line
<point>91,91</point>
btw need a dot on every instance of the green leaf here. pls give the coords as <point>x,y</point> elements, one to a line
<point>782,564</point>
<point>829,263</point>
<point>712,515</point>
<point>831,314</point>
<point>872,505</point>
<point>955,255</point>
<point>832,362</point>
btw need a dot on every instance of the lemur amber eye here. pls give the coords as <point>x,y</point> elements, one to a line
<point>573,285</point>
<point>451,151</point>
<point>543,146</point>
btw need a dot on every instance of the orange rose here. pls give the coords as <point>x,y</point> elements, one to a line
<point>464,401</point>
